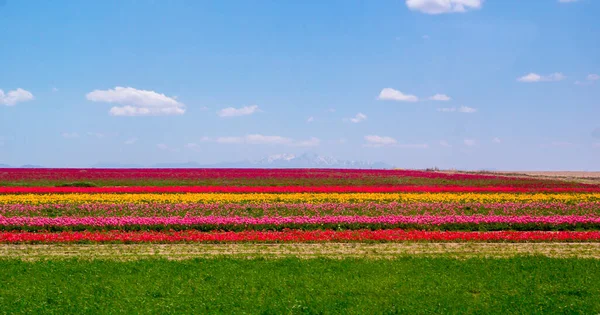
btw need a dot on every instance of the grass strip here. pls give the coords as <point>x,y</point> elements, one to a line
<point>522,285</point>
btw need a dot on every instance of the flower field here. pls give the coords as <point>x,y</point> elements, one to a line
<point>290,206</point>
<point>360,241</point>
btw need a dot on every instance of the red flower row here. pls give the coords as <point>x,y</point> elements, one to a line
<point>286,189</point>
<point>192,173</point>
<point>216,173</point>
<point>296,236</point>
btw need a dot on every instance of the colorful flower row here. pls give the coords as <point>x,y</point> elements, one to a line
<point>24,174</point>
<point>297,236</point>
<point>262,177</point>
<point>425,222</point>
<point>299,209</point>
<point>297,198</point>
<point>288,189</point>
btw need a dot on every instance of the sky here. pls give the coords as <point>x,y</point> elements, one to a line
<point>466,84</point>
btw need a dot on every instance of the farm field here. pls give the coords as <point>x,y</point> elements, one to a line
<point>334,238</point>
<point>72,206</point>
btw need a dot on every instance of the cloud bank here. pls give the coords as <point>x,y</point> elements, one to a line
<point>443,6</point>
<point>13,97</point>
<point>233,112</point>
<point>137,102</point>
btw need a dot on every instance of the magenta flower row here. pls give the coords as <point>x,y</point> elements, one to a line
<point>284,209</point>
<point>212,220</point>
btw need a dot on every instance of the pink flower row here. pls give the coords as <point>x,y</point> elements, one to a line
<point>288,209</point>
<point>297,236</point>
<point>287,189</point>
<point>297,220</point>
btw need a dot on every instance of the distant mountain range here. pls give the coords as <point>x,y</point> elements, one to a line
<point>274,161</point>
<point>22,166</point>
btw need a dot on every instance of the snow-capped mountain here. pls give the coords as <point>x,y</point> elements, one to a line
<point>285,157</point>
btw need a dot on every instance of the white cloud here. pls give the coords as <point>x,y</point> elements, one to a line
<point>596,145</point>
<point>358,118</point>
<point>497,140</point>
<point>593,77</point>
<point>534,77</point>
<point>469,142</point>
<point>389,94</point>
<point>440,97</point>
<point>378,141</point>
<point>310,119</point>
<point>233,112</point>
<point>13,97</point>
<point>425,36</point>
<point>137,102</point>
<point>331,110</point>
<point>462,109</point>
<point>445,143</point>
<point>443,6</point>
<point>54,89</point>
<point>557,76</point>
<point>567,1</point>
<point>130,141</point>
<point>70,135</point>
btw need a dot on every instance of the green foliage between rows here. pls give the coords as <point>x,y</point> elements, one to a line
<point>77,184</point>
<point>524,285</point>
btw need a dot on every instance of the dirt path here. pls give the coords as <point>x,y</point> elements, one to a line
<point>574,176</point>
<point>329,250</point>
<point>584,177</point>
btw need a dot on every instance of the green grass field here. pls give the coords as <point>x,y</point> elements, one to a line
<point>295,286</point>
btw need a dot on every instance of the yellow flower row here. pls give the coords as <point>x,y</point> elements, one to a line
<point>295,197</point>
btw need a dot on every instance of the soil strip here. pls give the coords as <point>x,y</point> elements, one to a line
<point>306,251</point>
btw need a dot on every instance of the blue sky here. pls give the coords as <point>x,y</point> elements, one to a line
<point>466,84</point>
